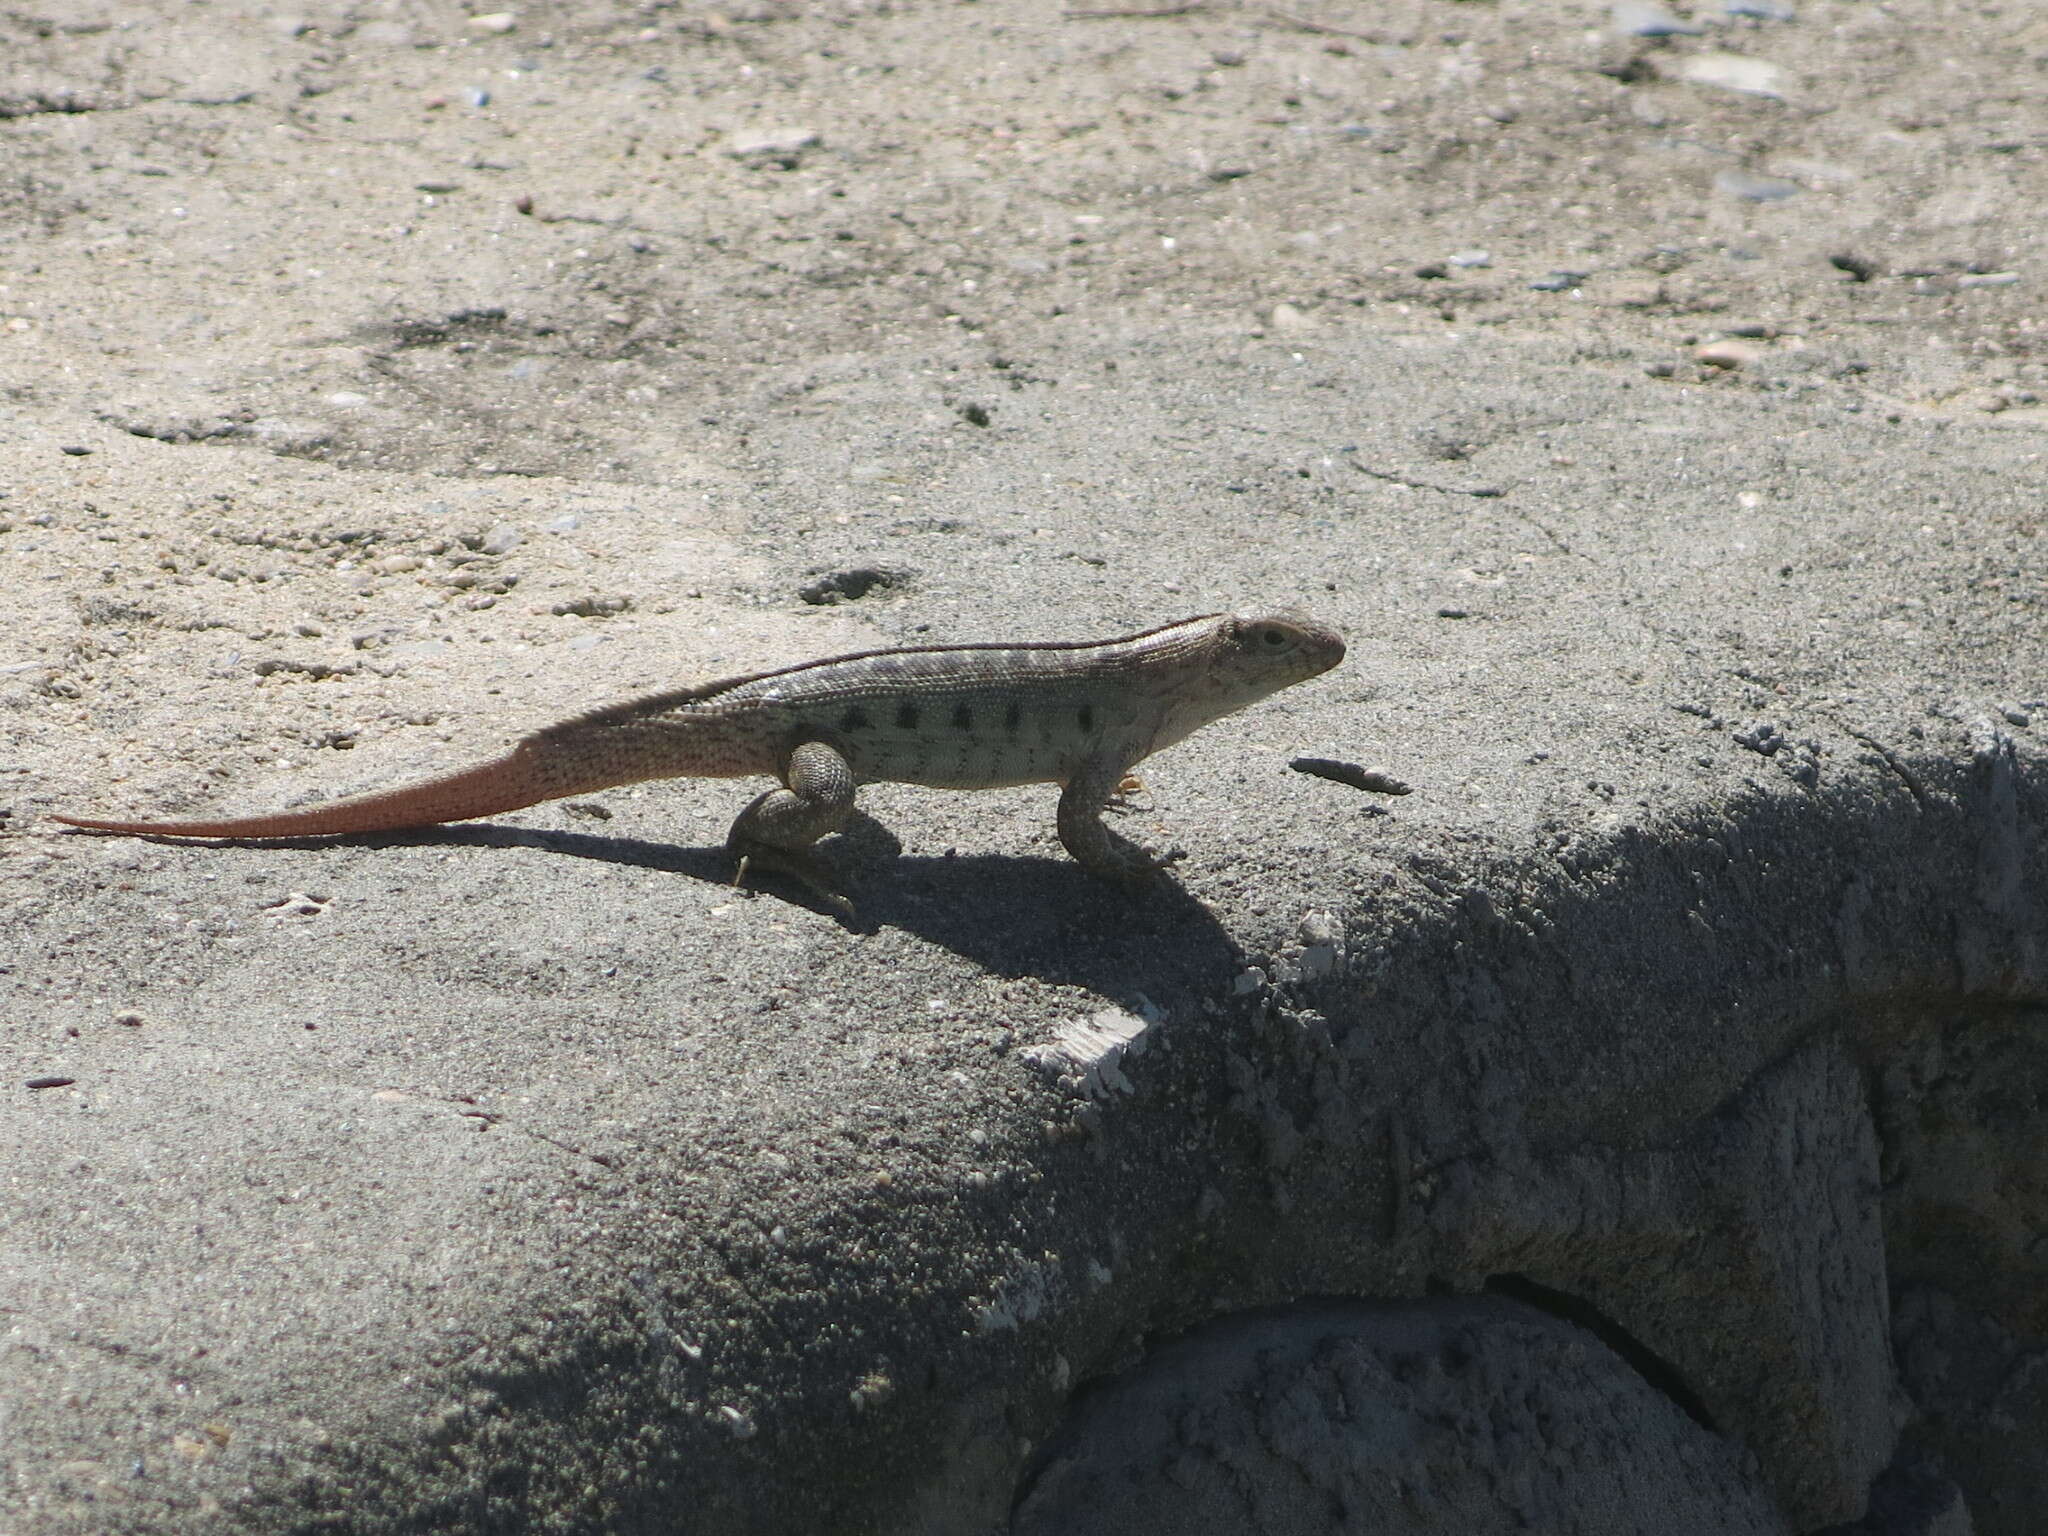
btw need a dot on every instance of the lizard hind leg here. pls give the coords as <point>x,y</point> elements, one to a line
<point>777,830</point>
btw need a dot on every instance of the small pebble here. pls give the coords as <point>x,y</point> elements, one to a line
<point>1989,401</point>
<point>502,539</point>
<point>1736,72</point>
<point>1752,188</point>
<point>77,450</point>
<point>1558,280</point>
<point>1472,258</point>
<point>595,606</point>
<point>51,1082</point>
<point>2014,715</point>
<point>1762,736</point>
<point>1727,354</point>
<point>851,583</point>
<point>493,23</point>
<point>1971,280</point>
<point>1286,317</point>
<point>1760,10</point>
<point>773,143</point>
<point>1639,18</point>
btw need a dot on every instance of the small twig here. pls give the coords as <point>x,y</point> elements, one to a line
<point>1139,12</point>
<point>1372,780</point>
<point>1321,29</point>
<point>1482,491</point>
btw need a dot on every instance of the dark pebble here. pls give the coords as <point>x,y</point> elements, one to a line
<point>851,584</point>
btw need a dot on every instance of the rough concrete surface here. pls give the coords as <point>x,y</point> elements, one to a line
<point>1652,395</point>
<point>1448,1416</point>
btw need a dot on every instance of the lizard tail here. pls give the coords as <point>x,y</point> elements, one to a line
<point>508,783</point>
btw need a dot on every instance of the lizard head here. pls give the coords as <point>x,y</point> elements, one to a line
<point>1245,657</point>
<point>1261,653</point>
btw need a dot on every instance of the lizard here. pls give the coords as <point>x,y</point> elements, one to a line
<point>978,716</point>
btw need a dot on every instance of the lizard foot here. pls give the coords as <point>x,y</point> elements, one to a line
<point>1127,795</point>
<point>807,869</point>
<point>1133,865</point>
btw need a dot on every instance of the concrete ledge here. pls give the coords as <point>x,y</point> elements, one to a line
<point>1631,1084</point>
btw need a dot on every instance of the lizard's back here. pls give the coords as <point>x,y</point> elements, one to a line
<point>957,717</point>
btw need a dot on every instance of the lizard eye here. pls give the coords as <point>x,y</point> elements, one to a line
<point>1271,637</point>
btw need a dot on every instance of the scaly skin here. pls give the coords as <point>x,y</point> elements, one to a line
<point>952,717</point>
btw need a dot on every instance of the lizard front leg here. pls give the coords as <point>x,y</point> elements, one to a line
<point>777,830</point>
<point>1092,844</point>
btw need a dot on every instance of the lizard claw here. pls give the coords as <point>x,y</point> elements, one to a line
<point>1145,863</point>
<point>1124,797</point>
<point>1134,865</point>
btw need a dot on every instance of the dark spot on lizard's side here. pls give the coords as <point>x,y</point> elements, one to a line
<point>1013,717</point>
<point>906,716</point>
<point>855,719</point>
<point>1086,717</point>
<point>963,718</point>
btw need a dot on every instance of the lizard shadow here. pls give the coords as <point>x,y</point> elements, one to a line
<point>1012,914</point>
<point>1046,917</point>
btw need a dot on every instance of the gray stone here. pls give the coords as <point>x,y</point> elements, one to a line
<point>1428,1418</point>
